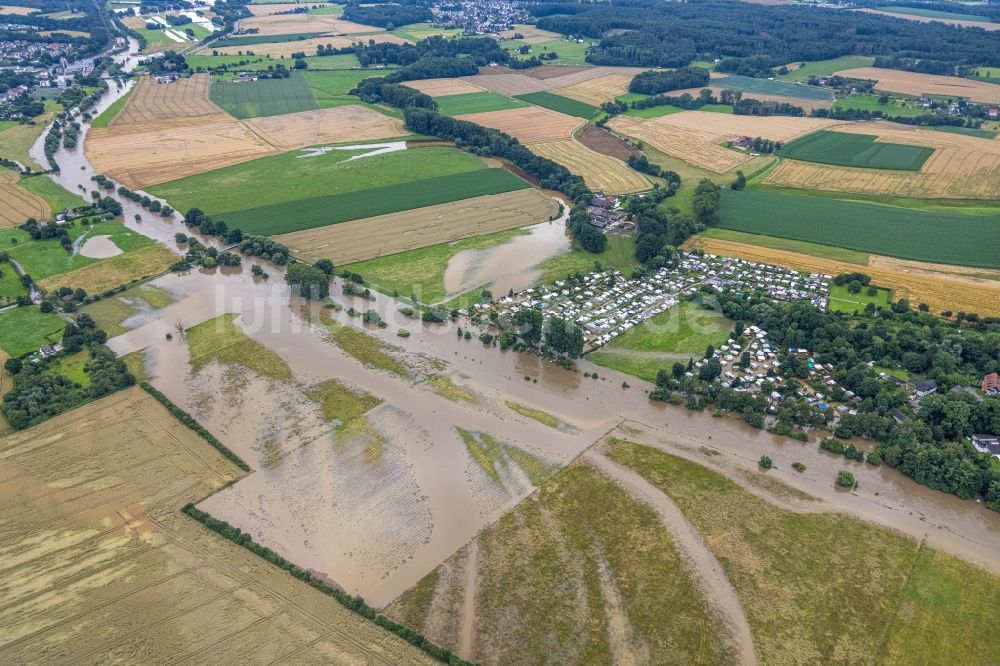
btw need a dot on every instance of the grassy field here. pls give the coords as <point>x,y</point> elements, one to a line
<point>111,313</point>
<point>570,107</point>
<point>205,60</point>
<point>855,150</point>
<point>937,14</point>
<point>340,61</point>
<point>15,141</point>
<point>619,253</point>
<point>221,340</point>
<point>23,330</point>
<point>73,367</point>
<point>102,275</point>
<point>45,258</point>
<point>823,588</point>
<point>800,247</point>
<point>292,178</point>
<point>841,300</point>
<point>941,237</point>
<point>109,113</point>
<point>826,67</point>
<point>569,51</point>
<point>331,209</point>
<point>54,194</point>
<point>566,573</point>
<point>682,332</point>
<point>967,131</point>
<point>250,40</point>
<point>414,32</point>
<point>341,403</point>
<point>10,285</point>
<point>895,107</point>
<point>749,84</point>
<point>423,269</point>
<point>455,105</point>
<point>266,97</point>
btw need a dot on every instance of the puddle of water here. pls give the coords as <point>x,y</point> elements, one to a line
<point>100,247</point>
<point>512,265</point>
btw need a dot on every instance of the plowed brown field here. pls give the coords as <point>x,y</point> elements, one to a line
<point>18,204</point>
<point>100,564</point>
<point>421,227</point>
<point>599,171</point>
<point>528,124</point>
<point>942,288</point>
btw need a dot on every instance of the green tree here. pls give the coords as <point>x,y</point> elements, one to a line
<point>308,281</point>
<point>528,326</point>
<point>845,479</point>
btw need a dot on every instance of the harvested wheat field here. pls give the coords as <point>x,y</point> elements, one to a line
<point>289,24</point>
<point>935,19</point>
<point>308,128</point>
<point>597,91</point>
<point>18,203</point>
<point>961,167</point>
<point>286,49</point>
<point>383,235</point>
<point>697,136</point>
<point>530,34</point>
<point>99,563</point>
<point>443,87</point>
<point>911,83</point>
<point>151,153</point>
<point>941,287</point>
<point>152,101</point>
<point>511,83</point>
<point>265,10</point>
<point>134,22</point>
<point>529,124</point>
<point>803,102</point>
<point>14,10</point>
<point>114,271</point>
<point>599,171</point>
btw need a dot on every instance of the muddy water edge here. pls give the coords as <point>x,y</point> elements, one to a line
<point>965,528</point>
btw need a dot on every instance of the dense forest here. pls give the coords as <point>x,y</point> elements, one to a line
<point>388,15</point>
<point>660,34</point>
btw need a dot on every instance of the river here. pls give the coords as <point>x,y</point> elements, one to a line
<point>423,500</point>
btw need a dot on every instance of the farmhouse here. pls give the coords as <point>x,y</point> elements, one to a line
<point>987,444</point>
<point>990,384</point>
<point>922,387</point>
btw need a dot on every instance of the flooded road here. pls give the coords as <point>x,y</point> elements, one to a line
<point>376,508</point>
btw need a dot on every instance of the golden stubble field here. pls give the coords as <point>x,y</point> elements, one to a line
<point>598,91</point>
<point>961,167</point>
<point>168,131</point>
<point>421,227</point>
<point>288,24</point>
<point>697,136</point>
<point>600,172</point>
<point>100,565</point>
<point>528,124</point>
<point>18,204</point>
<point>941,287</point>
<point>912,83</point>
<point>307,46</point>
<point>443,87</point>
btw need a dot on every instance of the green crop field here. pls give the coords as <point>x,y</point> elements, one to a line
<point>414,32</point>
<point>333,62</point>
<point>968,131</point>
<point>826,67</point>
<point>267,97</point>
<point>331,209</point>
<point>290,177</point>
<point>55,195</point>
<point>855,150</point>
<point>250,40</point>
<point>941,237</point>
<point>841,300</point>
<point>749,84</point>
<point>202,62</point>
<point>23,330</point>
<point>570,107</point>
<point>456,105</point>
<point>937,14</point>
<point>894,107</point>
<point>570,52</point>
<point>330,88</point>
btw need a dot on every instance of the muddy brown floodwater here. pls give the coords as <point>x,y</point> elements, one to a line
<point>377,508</point>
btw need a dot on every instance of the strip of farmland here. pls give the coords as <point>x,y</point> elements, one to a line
<point>320,211</point>
<point>856,150</point>
<point>553,102</point>
<point>962,240</point>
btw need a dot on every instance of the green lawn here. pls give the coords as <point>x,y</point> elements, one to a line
<point>897,106</point>
<point>456,105</point>
<point>800,247</point>
<point>619,253</point>
<point>827,67</point>
<point>45,258</point>
<point>841,300</point>
<point>330,88</point>
<point>24,330</point>
<point>55,195</point>
<point>749,84</point>
<point>109,113</point>
<point>331,209</point>
<point>292,178</point>
<point>266,97</point>
<point>936,236</point>
<point>682,332</point>
<point>824,587</point>
<point>570,107</point>
<point>855,150</point>
<point>423,269</point>
<point>10,284</point>
<point>72,367</point>
<point>568,50</point>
